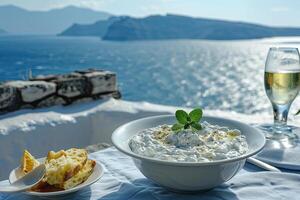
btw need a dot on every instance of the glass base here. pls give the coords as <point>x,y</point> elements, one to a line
<point>283,137</point>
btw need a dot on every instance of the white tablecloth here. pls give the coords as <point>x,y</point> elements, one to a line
<point>122,181</point>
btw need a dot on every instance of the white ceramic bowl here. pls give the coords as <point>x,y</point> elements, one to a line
<point>187,176</point>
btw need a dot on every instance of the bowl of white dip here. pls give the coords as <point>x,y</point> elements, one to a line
<point>186,160</point>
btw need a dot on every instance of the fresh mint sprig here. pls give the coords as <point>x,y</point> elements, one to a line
<point>188,120</point>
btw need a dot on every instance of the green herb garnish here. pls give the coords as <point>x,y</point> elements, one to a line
<point>187,121</point>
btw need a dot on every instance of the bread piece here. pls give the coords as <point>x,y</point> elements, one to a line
<point>81,176</point>
<point>44,187</point>
<point>28,162</point>
<point>79,155</point>
<point>55,155</point>
<point>63,165</point>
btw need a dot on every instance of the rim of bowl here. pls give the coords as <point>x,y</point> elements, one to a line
<point>166,162</point>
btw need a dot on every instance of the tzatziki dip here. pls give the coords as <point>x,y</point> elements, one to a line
<point>210,143</point>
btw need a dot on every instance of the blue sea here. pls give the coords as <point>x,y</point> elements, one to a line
<point>219,75</point>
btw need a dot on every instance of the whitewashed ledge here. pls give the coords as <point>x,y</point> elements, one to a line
<point>78,125</point>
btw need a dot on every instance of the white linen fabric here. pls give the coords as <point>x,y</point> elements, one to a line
<point>123,181</point>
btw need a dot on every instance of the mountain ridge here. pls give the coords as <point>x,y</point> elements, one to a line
<point>18,20</point>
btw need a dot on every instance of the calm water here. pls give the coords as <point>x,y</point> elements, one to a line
<point>213,74</point>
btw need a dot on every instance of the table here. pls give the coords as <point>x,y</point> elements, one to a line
<point>122,181</point>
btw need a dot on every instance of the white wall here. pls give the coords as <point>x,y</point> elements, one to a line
<point>42,130</point>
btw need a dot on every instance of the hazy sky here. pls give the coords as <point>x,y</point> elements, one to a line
<point>269,12</point>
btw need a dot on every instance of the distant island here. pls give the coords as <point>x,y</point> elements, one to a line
<point>159,27</point>
<point>78,21</point>
<point>182,27</point>
<point>17,20</point>
<point>98,28</point>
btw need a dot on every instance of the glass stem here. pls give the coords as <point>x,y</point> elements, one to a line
<point>280,115</point>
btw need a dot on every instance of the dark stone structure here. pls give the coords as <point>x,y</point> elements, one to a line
<point>46,91</point>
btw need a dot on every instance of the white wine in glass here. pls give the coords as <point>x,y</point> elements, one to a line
<point>282,85</point>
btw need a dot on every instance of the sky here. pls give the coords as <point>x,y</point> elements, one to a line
<point>267,12</point>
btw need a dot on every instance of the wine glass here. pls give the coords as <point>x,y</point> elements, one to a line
<point>282,84</point>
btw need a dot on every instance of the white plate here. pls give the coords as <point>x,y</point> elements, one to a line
<point>275,154</point>
<point>95,176</point>
<point>282,158</point>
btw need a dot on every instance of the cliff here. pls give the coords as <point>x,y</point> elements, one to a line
<point>96,29</point>
<point>159,27</point>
